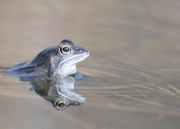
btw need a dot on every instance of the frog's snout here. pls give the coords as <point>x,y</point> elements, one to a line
<point>81,50</point>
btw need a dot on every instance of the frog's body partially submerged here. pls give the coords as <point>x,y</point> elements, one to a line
<point>54,61</point>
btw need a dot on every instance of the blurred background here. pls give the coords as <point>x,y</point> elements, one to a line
<point>133,68</point>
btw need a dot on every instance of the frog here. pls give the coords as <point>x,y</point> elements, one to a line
<point>56,61</point>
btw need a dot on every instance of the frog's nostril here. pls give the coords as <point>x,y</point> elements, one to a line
<point>86,50</point>
<point>77,48</point>
<point>80,49</point>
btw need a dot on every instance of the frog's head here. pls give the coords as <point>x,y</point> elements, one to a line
<point>66,58</point>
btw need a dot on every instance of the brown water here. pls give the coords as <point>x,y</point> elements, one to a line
<point>133,69</point>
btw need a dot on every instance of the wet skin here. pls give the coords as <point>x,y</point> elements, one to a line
<point>57,61</point>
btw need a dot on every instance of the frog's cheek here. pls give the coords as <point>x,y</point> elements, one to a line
<point>51,71</point>
<point>53,65</point>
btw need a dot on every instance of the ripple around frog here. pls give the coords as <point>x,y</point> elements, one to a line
<point>130,86</point>
<point>123,85</point>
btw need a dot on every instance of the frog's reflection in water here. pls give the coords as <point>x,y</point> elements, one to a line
<point>59,92</point>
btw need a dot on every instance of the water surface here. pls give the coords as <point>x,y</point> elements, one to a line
<point>132,74</point>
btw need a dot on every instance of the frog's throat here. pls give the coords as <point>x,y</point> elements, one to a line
<point>68,66</point>
<point>66,70</point>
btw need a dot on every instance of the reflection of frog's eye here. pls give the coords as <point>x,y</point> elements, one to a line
<point>65,49</point>
<point>60,104</point>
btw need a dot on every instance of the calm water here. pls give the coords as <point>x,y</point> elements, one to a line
<point>132,74</point>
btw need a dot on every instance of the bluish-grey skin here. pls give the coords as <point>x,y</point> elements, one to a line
<point>52,61</point>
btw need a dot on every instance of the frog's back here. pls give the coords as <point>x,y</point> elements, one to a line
<point>38,66</point>
<point>41,59</point>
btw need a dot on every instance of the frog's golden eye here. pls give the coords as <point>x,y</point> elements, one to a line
<point>65,49</point>
<point>60,104</point>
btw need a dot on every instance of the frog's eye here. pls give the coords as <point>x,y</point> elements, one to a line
<point>65,49</point>
<point>60,104</point>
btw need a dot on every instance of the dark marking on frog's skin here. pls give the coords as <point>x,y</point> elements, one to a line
<point>52,61</point>
<point>30,71</point>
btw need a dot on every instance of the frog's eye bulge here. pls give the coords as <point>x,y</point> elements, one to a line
<point>65,49</point>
